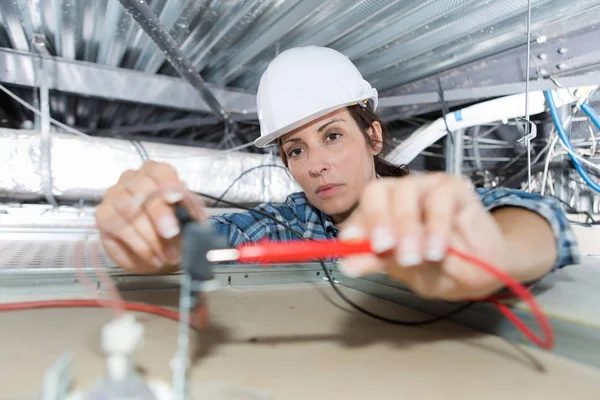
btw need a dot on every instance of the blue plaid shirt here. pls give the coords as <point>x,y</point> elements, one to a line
<point>297,213</point>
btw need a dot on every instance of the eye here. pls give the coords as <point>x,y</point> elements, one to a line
<point>295,152</point>
<point>332,136</point>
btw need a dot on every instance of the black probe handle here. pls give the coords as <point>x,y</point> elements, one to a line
<point>182,214</point>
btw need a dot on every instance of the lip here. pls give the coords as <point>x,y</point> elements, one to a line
<point>328,190</point>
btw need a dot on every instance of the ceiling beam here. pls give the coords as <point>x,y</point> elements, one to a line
<point>101,81</point>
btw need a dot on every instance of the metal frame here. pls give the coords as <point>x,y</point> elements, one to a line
<point>143,14</point>
<point>568,57</point>
<point>483,92</point>
<point>573,339</point>
<point>101,81</point>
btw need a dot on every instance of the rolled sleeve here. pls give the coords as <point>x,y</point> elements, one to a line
<point>547,207</point>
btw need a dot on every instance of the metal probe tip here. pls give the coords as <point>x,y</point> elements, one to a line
<point>222,255</point>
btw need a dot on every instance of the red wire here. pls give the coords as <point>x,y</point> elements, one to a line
<point>305,250</point>
<point>146,308</point>
<point>545,342</point>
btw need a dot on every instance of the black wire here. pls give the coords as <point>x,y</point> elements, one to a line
<point>445,109</point>
<point>332,283</point>
<point>573,210</point>
<point>219,200</point>
<point>142,149</point>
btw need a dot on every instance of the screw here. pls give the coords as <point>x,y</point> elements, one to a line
<point>562,50</point>
<point>542,56</point>
<point>561,66</point>
<point>540,39</point>
<point>543,73</point>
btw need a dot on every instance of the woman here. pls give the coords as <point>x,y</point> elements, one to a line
<point>314,103</point>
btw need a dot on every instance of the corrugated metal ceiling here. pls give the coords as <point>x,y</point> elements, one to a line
<point>230,42</point>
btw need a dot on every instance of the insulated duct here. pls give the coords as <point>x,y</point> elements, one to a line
<point>83,168</point>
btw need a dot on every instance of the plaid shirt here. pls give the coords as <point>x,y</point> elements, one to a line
<point>297,213</point>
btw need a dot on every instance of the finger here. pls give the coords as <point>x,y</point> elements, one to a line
<point>124,257</point>
<point>107,220</point>
<point>165,177</point>
<point>195,205</point>
<point>375,205</point>
<point>360,265</point>
<point>144,186</point>
<point>430,281</point>
<point>123,230</point>
<point>170,190</point>
<point>407,219</point>
<point>474,280</point>
<point>441,204</point>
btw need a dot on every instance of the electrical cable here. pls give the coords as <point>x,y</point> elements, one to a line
<point>332,281</point>
<point>565,139</point>
<point>130,306</point>
<point>514,182</point>
<point>594,141</point>
<point>241,176</point>
<point>140,149</point>
<point>591,113</point>
<point>445,110</point>
<point>527,130</point>
<point>545,342</point>
<point>578,156</point>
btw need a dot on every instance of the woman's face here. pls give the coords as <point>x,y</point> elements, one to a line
<point>332,161</point>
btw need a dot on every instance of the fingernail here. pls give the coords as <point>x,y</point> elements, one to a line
<point>173,197</point>
<point>352,233</point>
<point>168,227</point>
<point>408,252</point>
<point>347,269</point>
<point>157,262</point>
<point>436,248</point>
<point>382,239</point>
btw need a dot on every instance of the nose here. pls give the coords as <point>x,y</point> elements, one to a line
<point>318,163</point>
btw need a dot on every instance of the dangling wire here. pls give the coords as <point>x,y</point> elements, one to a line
<point>528,123</point>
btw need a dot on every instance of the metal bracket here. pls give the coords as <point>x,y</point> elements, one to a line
<point>528,134</point>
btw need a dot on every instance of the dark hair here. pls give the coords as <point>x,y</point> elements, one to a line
<point>364,116</point>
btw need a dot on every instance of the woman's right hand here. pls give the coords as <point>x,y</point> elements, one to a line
<point>138,228</point>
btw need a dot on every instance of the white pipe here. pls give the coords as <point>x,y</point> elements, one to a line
<point>500,109</point>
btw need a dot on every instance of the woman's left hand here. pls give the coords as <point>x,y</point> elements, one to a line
<point>412,221</point>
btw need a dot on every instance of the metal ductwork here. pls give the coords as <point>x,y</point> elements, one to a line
<point>83,168</point>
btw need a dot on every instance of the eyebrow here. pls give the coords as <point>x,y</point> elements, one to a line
<point>329,123</point>
<point>318,130</point>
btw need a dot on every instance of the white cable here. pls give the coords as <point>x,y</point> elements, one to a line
<point>552,154</point>
<point>593,147</point>
<point>578,156</point>
<point>88,137</point>
<point>567,123</point>
<point>547,163</point>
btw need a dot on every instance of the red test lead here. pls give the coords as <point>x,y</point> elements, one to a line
<point>268,252</point>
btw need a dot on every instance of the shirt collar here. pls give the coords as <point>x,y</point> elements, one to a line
<point>328,224</point>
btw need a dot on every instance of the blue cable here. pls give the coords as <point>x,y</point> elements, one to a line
<point>565,139</point>
<point>591,113</point>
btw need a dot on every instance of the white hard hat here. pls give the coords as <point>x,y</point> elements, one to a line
<point>303,84</point>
